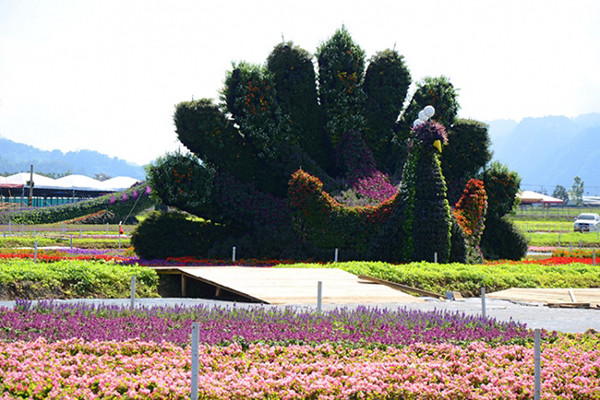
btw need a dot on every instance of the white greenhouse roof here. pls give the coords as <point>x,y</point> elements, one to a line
<point>529,197</point>
<point>75,182</point>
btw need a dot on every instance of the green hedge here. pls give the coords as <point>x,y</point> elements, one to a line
<point>468,279</point>
<point>26,279</point>
<point>121,204</point>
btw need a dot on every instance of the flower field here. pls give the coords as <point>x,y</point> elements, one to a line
<point>51,350</point>
<point>85,352</point>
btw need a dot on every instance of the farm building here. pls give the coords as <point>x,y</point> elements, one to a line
<point>14,189</point>
<point>531,198</point>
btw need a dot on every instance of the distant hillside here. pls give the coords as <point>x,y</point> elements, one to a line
<point>550,151</point>
<point>17,157</point>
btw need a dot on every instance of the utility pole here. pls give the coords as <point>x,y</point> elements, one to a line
<point>30,185</point>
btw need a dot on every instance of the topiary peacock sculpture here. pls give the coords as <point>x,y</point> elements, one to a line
<point>293,163</point>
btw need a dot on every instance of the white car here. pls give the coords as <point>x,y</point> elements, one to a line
<point>587,222</point>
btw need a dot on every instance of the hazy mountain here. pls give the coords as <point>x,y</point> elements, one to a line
<point>550,151</point>
<point>17,157</point>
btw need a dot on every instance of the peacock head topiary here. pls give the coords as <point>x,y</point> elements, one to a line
<point>430,136</point>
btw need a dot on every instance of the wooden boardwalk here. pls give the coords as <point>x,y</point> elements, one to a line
<point>549,296</point>
<point>291,285</point>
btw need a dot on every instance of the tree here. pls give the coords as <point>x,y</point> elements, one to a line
<point>576,192</point>
<point>561,193</point>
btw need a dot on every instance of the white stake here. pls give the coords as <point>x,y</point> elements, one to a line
<point>319,296</point>
<point>233,254</point>
<point>195,358</point>
<point>107,228</point>
<point>537,365</point>
<point>335,256</point>
<point>133,291</point>
<point>35,253</point>
<point>9,228</point>
<point>64,228</point>
<point>483,302</point>
<point>594,256</point>
<point>435,257</point>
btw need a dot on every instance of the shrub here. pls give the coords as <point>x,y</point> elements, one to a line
<point>502,240</point>
<point>166,234</point>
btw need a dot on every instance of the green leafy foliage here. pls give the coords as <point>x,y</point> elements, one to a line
<point>561,193</point>
<point>26,279</point>
<point>468,151</point>
<point>386,84</point>
<point>468,279</point>
<point>294,77</point>
<point>576,192</point>
<point>502,240</point>
<point>122,205</point>
<point>185,236</point>
<point>341,69</point>
<point>501,186</point>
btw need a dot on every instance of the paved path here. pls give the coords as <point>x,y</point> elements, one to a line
<point>535,315</point>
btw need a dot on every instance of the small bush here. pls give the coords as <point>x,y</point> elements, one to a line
<point>502,240</point>
<point>172,234</point>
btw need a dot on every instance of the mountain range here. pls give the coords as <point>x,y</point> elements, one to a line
<point>18,157</point>
<point>546,152</point>
<point>550,151</point>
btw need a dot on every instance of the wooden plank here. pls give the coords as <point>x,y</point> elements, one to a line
<point>297,285</point>
<point>569,305</point>
<point>402,287</point>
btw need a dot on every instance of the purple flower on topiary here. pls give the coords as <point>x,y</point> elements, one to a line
<point>429,132</point>
<point>135,194</point>
<point>124,197</point>
<point>148,190</point>
<point>112,199</point>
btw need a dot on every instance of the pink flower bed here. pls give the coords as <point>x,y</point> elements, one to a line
<point>135,369</point>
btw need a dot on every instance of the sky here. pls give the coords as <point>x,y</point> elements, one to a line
<point>106,75</point>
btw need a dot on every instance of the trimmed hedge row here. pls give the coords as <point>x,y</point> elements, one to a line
<point>120,204</point>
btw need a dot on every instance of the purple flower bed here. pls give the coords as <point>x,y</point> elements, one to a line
<point>222,325</point>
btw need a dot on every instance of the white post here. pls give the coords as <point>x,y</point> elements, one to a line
<point>79,232</point>
<point>559,239</point>
<point>71,241</point>
<point>9,228</point>
<point>64,228</point>
<point>435,257</point>
<point>195,358</point>
<point>233,254</point>
<point>35,252</point>
<point>335,256</point>
<point>594,256</point>
<point>107,228</point>
<point>319,296</point>
<point>33,230</point>
<point>537,365</point>
<point>483,302</point>
<point>579,244</point>
<point>133,291</point>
